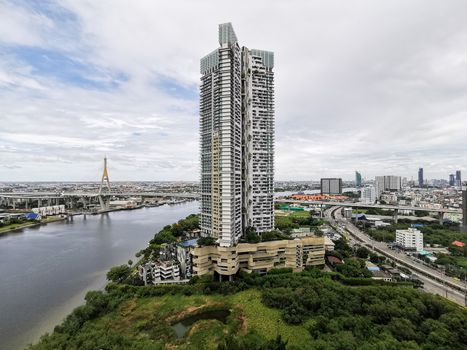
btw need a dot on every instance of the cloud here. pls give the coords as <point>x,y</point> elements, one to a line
<point>374,86</point>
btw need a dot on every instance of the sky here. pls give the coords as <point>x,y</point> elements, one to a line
<point>374,86</point>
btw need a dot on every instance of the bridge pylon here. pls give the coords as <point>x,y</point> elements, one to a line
<point>104,188</point>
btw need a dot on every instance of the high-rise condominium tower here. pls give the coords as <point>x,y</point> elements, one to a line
<point>458,178</point>
<point>358,179</point>
<point>237,140</point>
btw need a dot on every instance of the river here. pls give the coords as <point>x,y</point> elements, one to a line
<point>45,271</point>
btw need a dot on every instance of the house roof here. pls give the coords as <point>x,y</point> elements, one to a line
<point>334,259</point>
<point>32,216</point>
<point>458,244</point>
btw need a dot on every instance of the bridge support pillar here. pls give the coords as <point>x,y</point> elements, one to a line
<point>396,216</point>
<point>104,202</point>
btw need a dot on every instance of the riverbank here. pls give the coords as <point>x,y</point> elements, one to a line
<point>19,227</point>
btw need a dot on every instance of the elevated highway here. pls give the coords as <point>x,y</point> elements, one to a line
<point>363,205</point>
<point>42,195</point>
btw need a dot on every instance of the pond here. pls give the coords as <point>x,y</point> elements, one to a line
<point>183,326</point>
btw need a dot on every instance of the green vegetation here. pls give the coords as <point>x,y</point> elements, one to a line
<point>206,241</point>
<point>119,273</point>
<point>442,234</point>
<point>295,220</point>
<point>169,234</point>
<point>15,224</point>
<point>282,310</point>
<point>354,267</point>
<point>362,252</point>
<point>384,234</point>
<point>253,237</point>
<point>354,195</point>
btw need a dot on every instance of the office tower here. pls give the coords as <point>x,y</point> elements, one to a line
<point>331,186</point>
<point>458,178</point>
<point>387,183</point>
<point>368,195</point>
<point>420,177</point>
<point>452,180</point>
<point>237,140</point>
<point>358,179</point>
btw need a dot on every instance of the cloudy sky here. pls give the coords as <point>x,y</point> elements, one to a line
<point>378,86</point>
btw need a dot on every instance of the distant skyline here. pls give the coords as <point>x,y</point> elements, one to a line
<point>377,87</point>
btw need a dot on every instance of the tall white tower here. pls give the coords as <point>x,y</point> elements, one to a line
<point>236,139</point>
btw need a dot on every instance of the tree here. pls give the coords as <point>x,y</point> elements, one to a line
<point>353,268</point>
<point>251,235</point>
<point>119,273</point>
<point>130,262</point>
<point>206,241</point>
<point>164,236</point>
<point>362,253</point>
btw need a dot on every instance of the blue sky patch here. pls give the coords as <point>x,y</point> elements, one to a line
<point>174,89</point>
<point>57,65</point>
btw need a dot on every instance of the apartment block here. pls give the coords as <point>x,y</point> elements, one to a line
<point>387,183</point>
<point>410,239</point>
<point>368,195</point>
<point>236,140</point>
<point>331,186</point>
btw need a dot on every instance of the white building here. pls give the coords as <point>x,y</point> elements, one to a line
<point>368,195</point>
<point>387,183</point>
<point>411,239</point>
<point>348,213</point>
<point>51,210</point>
<point>159,271</point>
<point>236,139</point>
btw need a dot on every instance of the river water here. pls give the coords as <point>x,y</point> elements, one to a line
<point>46,271</point>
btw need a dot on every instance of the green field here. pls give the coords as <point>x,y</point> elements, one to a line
<point>147,322</point>
<point>267,321</point>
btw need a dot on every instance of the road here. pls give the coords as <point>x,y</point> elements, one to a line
<point>363,205</point>
<point>434,281</point>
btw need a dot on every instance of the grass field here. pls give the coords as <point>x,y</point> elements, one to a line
<point>149,320</point>
<point>292,214</point>
<point>268,322</point>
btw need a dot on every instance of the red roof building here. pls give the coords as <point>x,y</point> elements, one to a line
<point>458,244</point>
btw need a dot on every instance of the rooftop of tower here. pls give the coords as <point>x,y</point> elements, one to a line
<point>227,34</point>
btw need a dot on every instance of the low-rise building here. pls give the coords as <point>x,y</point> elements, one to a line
<point>348,213</point>
<point>328,244</point>
<point>382,276</point>
<point>50,210</point>
<point>258,257</point>
<point>410,239</point>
